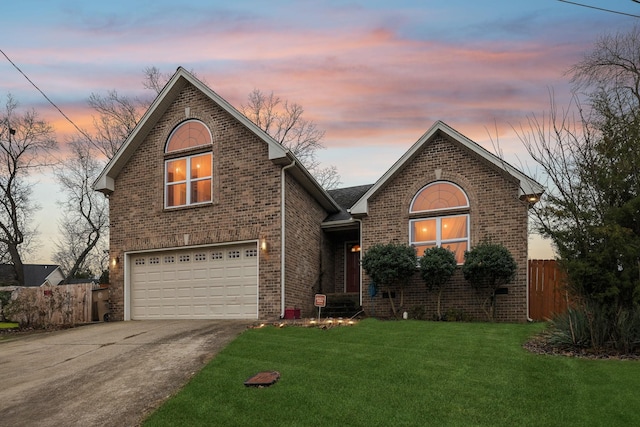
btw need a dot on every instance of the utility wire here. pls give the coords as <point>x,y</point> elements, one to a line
<point>45,96</point>
<point>600,8</point>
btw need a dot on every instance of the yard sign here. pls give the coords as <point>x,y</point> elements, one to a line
<point>320,301</point>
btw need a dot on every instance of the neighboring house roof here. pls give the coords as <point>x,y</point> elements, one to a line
<point>277,152</point>
<point>34,274</point>
<point>528,186</point>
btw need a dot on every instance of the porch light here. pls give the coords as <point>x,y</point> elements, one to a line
<point>530,198</point>
<point>115,261</point>
<point>263,245</point>
<point>355,248</point>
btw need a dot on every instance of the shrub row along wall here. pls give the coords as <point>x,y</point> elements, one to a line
<point>48,306</point>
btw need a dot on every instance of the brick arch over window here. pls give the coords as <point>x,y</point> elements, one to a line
<point>440,217</point>
<point>189,134</point>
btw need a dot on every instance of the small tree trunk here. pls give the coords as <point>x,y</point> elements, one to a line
<point>393,306</point>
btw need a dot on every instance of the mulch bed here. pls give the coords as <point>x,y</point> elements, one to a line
<point>540,345</point>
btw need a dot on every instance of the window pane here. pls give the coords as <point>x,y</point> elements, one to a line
<point>201,166</point>
<point>177,195</point>
<point>421,248</point>
<point>423,231</point>
<point>176,170</point>
<point>201,191</point>
<point>458,249</point>
<point>454,227</point>
<point>188,135</point>
<point>441,195</point>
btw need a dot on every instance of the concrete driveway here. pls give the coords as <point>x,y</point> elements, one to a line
<point>107,374</point>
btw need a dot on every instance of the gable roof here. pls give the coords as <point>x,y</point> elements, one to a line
<point>528,186</point>
<point>181,78</point>
<point>346,197</point>
<point>34,274</point>
<point>39,274</point>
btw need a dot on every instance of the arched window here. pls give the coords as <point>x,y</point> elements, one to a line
<point>443,219</point>
<point>189,134</point>
<point>188,179</point>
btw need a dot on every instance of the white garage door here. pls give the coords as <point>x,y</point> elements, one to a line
<point>219,282</point>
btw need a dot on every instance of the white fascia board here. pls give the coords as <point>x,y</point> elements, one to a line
<point>104,183</point>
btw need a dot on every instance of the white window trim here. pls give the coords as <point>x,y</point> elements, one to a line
<point>188,181</point>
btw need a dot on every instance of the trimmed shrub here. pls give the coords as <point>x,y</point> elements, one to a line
<point>487,267</point>
<point>389,266</point>
<point>437,265</point>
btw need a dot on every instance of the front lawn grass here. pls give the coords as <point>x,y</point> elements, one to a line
<point>404,373</point>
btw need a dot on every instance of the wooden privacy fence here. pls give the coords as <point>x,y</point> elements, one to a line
<point>547,293</point>
<point>47,306</point>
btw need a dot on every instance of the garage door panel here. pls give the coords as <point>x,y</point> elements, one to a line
<point>208,283</point>
<point>184,275</point>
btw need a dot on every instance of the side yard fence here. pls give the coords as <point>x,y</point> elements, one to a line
<point>547,294</point>
<point>47,306</point>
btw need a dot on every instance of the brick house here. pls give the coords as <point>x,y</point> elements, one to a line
<point>212,218</point>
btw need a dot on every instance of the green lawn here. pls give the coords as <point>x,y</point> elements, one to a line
<point>404,373</point>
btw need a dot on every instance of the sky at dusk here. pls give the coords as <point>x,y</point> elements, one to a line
<point>375,75</point>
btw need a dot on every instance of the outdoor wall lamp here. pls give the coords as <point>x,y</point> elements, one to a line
<point>115,261</point>
<point>263,245</point>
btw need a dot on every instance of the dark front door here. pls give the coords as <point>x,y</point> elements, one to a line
<point>352,268</point>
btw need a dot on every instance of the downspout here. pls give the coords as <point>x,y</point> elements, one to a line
<point>359,221</point>
<point>527,287</point>
<point>282,236</point>
<point>526,284</point>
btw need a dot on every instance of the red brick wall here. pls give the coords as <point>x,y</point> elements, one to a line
<point>304,240</point>
<point>496,213</point>
<point>246,199</point>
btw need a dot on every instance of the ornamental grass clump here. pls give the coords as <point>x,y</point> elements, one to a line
<point>437,265</point>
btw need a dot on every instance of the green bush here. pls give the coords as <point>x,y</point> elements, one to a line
<point>437,265</point>
<point>487,267</point>
<point>390,265</point>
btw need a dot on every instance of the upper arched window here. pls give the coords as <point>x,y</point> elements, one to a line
<point>188,179</point>
<point>189,134</point>
<point>439,196</point>
<point>443,219</point>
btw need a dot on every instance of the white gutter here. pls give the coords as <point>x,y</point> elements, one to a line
<point>282,237</point>
<point>359,221</point>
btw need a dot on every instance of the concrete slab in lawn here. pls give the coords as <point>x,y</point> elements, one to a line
<point>107,374</point>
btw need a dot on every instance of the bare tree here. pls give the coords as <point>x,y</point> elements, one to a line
<point>116,117</point>
<point>85,213</point>
<point>155,80</point>
<point>26,145</point>
<point>285,123</point>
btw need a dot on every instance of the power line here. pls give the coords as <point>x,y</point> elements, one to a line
<point>600,8</point>
<point>45,96</point>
